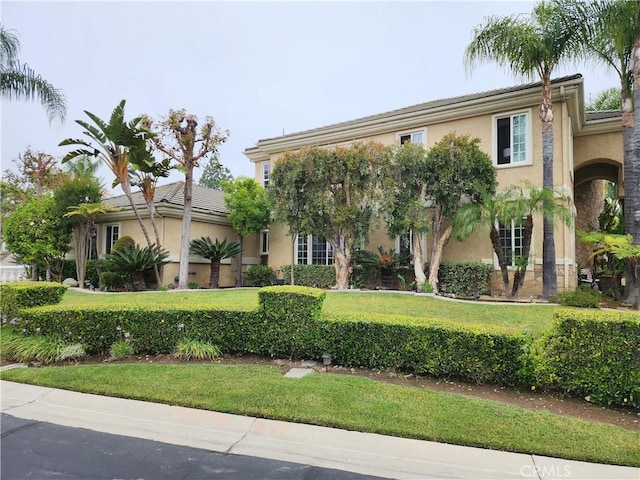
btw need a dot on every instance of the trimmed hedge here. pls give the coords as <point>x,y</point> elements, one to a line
<point>260,276</point>
<point>595,354</point>
<point>465,279</point>
<point>318,276</point>
<point>16,295</point>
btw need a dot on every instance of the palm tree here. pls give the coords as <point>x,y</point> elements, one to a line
<point>81,231</point>
<point>134,261</point>
<point>610,34</point>
<point>118,144</point>
<point>487,214</point>
<point>18,81</point>
<point>214,251</point>
<point>530,46</point>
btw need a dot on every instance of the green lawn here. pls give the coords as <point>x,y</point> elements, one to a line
<point>529,318</point>
<point>348,402</point>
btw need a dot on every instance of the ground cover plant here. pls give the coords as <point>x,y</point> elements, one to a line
<point>348,402</point>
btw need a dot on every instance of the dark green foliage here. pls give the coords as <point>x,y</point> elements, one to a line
<point>135,261</point>
<point>593,354</point>
<point>317,276</point>
<point>465,279</point>
<point>17,295</point>
<point>583,297</point>
<point>193,285</point>
<point>260,276</point>
<point>91,275</point>
<point>113,281</point>
<point>124,242</point>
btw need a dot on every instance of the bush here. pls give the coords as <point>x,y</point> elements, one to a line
<point>40,348</point>
<point>17,295</point>
<point>465,279</point>
<point>113,281</point>
<point>318,276</point>
<point>91,272</point>
<point>196,350</point>
<point>583,297</point>
<point>121,349</point>
<point>123,242</point>
<point>593,354</point>
<point>193,285</point>
<point>260,276</point>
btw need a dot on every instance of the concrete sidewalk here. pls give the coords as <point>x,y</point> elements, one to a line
<point>364,453</point>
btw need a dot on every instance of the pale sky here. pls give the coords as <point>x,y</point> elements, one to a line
<point>259,68</point>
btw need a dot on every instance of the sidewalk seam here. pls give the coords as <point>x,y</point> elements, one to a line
<point>244,435</point>
<point>37,399</point>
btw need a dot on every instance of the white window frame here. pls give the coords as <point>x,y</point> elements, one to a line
<point>528,131</point>
<point>411,133</point>
<point>309,260</point>
<point>264,242</point>
<point>107,237</point>
<point>398,246</point>
<point>512,266</point>
<point>266,174</point>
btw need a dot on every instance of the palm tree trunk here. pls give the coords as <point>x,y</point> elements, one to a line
<point>183,273</point>
<point>502,260</point>
<point>214,277</point>
<point>549,274</point>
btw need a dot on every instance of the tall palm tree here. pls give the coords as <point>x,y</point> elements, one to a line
<point>214,251</point>
<point>18,81</point>
<point>118,144</point>
<point>530,46</point>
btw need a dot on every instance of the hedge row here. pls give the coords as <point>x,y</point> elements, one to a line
<point>17,295</point>
<point>318,276</point>
<point>593,354</point>
<point>465,279</point>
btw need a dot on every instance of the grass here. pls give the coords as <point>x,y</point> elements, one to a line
<point>532,319</point>
<point>353,403</point>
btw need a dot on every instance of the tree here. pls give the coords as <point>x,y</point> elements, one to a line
<point>213,174</point>
<point>35,233</point>
<point>530,46</point>
<point>248,211</point>
<point>456,169</point>
<point>609,99</point>
<point>134,261</point>
<point>118,144</point>
<point>18,81</point>
<point>404,200</point>
<point>330,192</point>
<point>215,252</point>
<point>178,137</point>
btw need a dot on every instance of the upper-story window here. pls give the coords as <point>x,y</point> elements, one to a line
<point>266,173</point>
<point>512,138</point>
<point>412,137</point>
<point>112,232</point>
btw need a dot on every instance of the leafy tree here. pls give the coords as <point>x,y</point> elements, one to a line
<point>215,252</point>
<point>35,233</point>
<point>85,215</point>
<point>178,137</point>
<point>18,81</point>
<point>330,192</point>
<point>531,46</point>
<point>609,99</point>
<point>249,211</point>
<point>456,169</point>
<point>213,174</point>
<point>134,261</point>
<point>404,200</point>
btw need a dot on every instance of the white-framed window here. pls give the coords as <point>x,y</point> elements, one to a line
<point>512,138</point>
<point>111,234</point>
<point>418,137</point>
<point>266,173</point>
<point>404,243</point>
<point>313,250</point>
<point>264,242</point>
<point>511,239</point>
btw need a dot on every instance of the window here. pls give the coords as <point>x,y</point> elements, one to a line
<point>112,232</point>
<point>266,172</point>
<point>264,242</point>
<point>512,139</point>
<point>405,245</point>
<point>412,137</point>
<point>511,239</point>
<point>320,253</point>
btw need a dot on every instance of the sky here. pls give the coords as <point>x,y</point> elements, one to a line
<point>260,69</point>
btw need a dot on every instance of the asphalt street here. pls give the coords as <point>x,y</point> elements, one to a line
<point>39,450</point>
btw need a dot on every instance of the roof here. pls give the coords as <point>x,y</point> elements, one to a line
<point>205,200</point>
<point>602,115</point>
<point>416,108</point>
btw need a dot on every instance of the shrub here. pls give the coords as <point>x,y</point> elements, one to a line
<point>91,272</point>
<point>113,281</point>
<point>593,354</point>
<point>121,349</point>
<point>17,295</point>
<point>260,276</point>
<point>193,285</point>
<point>27,348</point>
<point>318,276</point>
<point>583,297</point>
<point>123,242</point>
<point>196,350</point>
<point>465,279</point>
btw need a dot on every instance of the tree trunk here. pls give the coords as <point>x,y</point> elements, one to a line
<point>502,260</point>
<point>138,281</point>
<point>629,159</point>
<point>549,274</point>
<point>418,260</point>
<point>342,262</point>
<point>183,273</point>
<point>214,277</point>
<point>436,254</point>
<point>152,216</point>
<point>521,270</point>
<point>239,263</point>
<point>81,234</point>
<point>293,258</point>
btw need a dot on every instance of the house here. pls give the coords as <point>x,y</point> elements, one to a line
<point>587,150</point>
<point>208,218</point>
